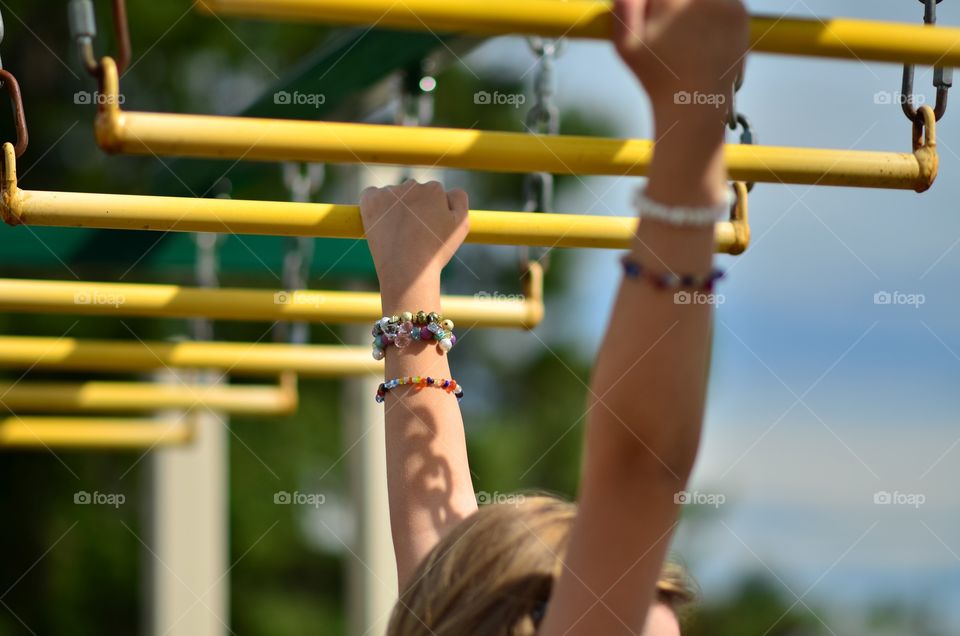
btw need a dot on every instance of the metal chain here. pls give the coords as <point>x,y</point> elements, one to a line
<point>302,181</point>
<point>543,118</point>
<point>942,77</point>
<point>747,136</point>
<point>732,111</point>
<point>736,119</point>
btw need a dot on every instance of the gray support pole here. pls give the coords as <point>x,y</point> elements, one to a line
<point>188,554</point>
<point>187,557</point>
<point>371,568</point>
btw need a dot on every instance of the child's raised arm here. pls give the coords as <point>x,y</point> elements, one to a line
<point>413,231</point>
<point>647,396</point>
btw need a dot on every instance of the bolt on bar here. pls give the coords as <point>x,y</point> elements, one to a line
<point>101,433</point>
<point>279,218</point>
<point>255,139</point>
<point>240,358</point>
<point>112,397</point>
<point>832,37</point>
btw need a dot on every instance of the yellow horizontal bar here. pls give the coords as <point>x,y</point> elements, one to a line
<point>253,139</point>
<point>174,301</point>
<point>100,433</point>
<point>112,397</point>
<point>833,38</point>
<point>239,358</point>
<point>279,218</point>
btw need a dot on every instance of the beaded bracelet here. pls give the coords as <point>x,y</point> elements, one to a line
<point>669,280</point>
<point>680,215</point>
<point>408,327</point>
<point>420,382</point>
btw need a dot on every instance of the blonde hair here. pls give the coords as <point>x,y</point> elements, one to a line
<point>492,574</point>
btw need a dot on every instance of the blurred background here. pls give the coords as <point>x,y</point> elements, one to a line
<point>824,405</point>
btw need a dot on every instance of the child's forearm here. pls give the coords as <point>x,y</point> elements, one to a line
<point>427,474</point>
<point>646,408</point>
<point>650,378</point>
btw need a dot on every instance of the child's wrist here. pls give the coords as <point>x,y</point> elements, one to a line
<point>410,295</point>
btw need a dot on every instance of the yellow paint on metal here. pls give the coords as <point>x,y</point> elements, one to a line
<point>100,433</point>
<point>829,37</point>
<point>278,218</point>
<point>318,141</point>
<point>113,397</point>
<point>174,301</point>
<point>740,218</point>
<point>240,358</point>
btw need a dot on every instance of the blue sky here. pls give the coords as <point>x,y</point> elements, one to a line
<point>819,398</point>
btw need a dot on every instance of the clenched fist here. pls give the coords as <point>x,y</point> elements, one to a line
<point>413,231</point>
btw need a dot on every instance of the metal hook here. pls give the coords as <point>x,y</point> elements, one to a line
<point>19,116</point>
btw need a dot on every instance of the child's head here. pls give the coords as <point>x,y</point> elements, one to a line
<point>493,574</point>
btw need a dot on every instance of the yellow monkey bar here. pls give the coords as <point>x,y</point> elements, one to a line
<point>100,433</point>
<point>241,358</point>
<point>132,397</point>
<point>833,38</point>
<point>182,214</point>
<point>316,141</point>
<point>174,301</point>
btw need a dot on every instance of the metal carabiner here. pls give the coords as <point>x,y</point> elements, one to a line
<point>83,29</point>
<point>942,80</point>
<point>942,77</point>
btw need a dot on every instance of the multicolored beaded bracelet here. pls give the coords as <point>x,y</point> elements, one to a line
<point>420,382</point>
<point>400,331</point>
<point>669,280</point>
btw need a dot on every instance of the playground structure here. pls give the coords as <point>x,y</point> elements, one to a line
<point>97,415</point>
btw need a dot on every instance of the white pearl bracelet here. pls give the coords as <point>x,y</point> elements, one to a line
<point>680,215</point>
